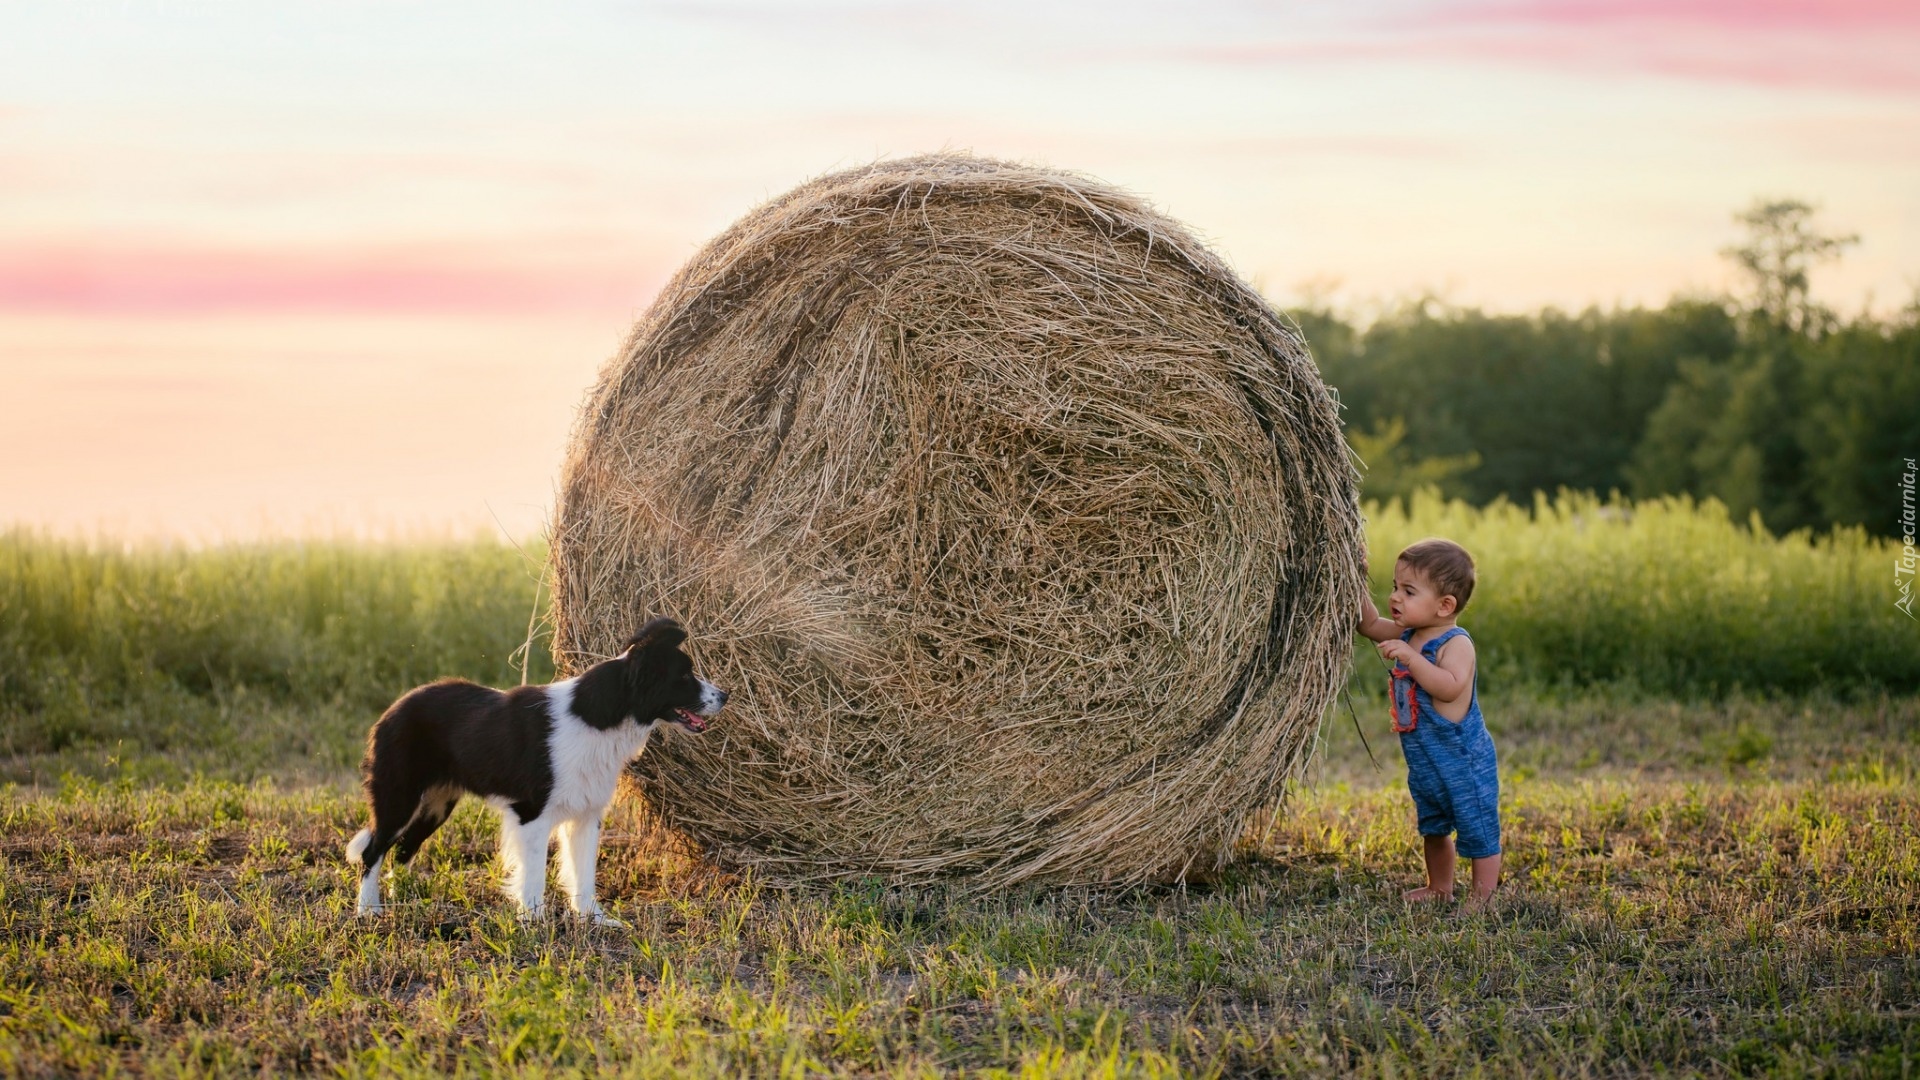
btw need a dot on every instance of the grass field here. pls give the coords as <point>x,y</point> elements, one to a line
<point>1754,910</point>
<point>1708,872</point>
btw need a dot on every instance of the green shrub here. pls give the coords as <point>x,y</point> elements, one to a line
<point>1666,594</point>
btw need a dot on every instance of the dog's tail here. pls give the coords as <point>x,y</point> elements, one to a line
<point>357,847</point>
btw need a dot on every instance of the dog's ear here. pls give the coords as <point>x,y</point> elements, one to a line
<point>662,631</point>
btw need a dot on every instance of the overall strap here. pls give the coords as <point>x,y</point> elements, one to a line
<point>1432,648</point>
<point>1398,674</point>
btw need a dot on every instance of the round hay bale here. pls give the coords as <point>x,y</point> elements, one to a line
<point>1020,529</point>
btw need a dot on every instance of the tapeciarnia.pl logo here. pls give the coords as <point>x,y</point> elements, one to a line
<point>1903,567</point>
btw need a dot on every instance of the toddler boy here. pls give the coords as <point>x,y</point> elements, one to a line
<point>1451,767</point>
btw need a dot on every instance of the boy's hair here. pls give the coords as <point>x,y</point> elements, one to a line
<point>1447,565</point>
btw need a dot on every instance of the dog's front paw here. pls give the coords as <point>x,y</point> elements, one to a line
<point>601,918</point>
<point>530,914</point>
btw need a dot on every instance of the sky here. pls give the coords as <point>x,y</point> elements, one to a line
<point>349,268</point>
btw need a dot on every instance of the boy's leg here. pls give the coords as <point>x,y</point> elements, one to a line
<point>1439,856</point>
<point>1486,875</point>
<point>1434,818</point>
<point>1480,840</point>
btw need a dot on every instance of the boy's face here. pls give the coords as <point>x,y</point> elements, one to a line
<point>1413,602</point>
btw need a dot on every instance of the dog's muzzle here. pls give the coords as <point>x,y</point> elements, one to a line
<point>712,700</point>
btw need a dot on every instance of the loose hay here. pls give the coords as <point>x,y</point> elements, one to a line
<point>1020,529</point>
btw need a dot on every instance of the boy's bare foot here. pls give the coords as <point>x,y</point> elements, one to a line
<point>1477,901</point>
<point>1423,894</point>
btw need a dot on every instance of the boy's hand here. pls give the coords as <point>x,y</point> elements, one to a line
<point>1399,650</point>
<point>1371,625</point>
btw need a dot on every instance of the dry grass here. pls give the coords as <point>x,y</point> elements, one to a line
<point>1756,916</point>
<point>1021,529</point>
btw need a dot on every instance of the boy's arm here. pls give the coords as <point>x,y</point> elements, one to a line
<point>1445,681</point>
<point>1372,626</point>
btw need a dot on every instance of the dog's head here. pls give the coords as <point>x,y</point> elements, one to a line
<point>661,682</point>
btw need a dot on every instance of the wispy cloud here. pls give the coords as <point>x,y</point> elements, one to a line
<point>1855,46</point>
<point>163,280</point>
<point>1740,17</point>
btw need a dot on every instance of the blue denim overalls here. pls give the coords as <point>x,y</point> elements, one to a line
<point>1451,768</point>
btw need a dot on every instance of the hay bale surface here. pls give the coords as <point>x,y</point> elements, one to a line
<point>1020,529</point>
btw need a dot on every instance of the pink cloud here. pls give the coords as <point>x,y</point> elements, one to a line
<point>1857,46</point>
<point>1739,17</point>
<point>160,280</point>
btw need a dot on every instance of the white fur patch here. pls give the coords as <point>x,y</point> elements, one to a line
<point>369,899</point>
<point>369,903</point>
<point>586,761</point>
<point>710,699</point>
<point>523,855</point>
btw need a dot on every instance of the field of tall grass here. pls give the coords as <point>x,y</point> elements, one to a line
<point>242,660</point>
<point>157,648</point>
<point>1668,596</point>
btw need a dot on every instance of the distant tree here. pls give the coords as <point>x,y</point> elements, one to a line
<point>1391,472</point>
<point>1863,398</point>
<point>1738,430</point>
<point>1778,256</point>
<point>1727,430</point>
<point>1544,401</point>
<point>1768,401</point>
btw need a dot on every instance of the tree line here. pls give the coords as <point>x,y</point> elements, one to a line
<point>1768,401</point>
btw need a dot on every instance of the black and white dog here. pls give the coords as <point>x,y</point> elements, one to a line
<point>545,757</point>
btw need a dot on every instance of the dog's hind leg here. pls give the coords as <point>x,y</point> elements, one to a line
<point>369,902</point>
<point>435,805</point>
<point>396,799</point>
